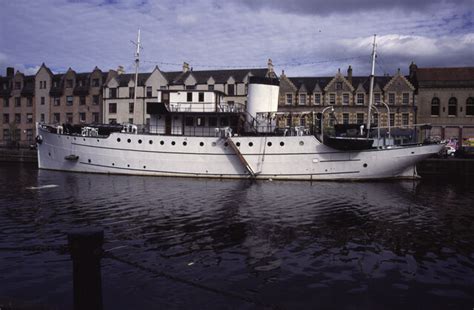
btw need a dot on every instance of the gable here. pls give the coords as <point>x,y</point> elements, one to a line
<point>360,88</point>
<point>113,83</point>
<point>190,80</point>
<point>211,81</point>
<point>339,78</point>
<point>231,80</point>
<point>156,78</point>
<point>398,84</point>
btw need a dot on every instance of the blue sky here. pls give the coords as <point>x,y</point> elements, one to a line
<point>302,37</point>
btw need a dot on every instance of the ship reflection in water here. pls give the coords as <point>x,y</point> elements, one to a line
<point>290,244</point>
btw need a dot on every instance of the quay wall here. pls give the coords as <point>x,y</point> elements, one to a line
<point>18,155</point>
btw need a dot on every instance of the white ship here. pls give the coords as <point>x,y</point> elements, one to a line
<point>223,140</point>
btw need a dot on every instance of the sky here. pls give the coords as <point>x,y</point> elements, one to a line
<point>302,37</point>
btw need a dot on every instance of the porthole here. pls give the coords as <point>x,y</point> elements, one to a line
<point>226,144</point>
<point>128,165</point>
<point>139,141</point>
<point>84,139</point>
<point>113,164</point>
<point>118,140</point>
<point>98,140</point>
<point>250,144</point>
<point>144,167</point>
<point>282,143</point>
<point>74,139</point>
<point>238,144</point>
<point>151,141</point>
<point>201,143</point>
<point>301,143</point>
<point>162,142</point>
<point>49,154</point>
<point>128,140</point>
<point>173,143</point>
<point>269,144</point>
<point>185,143</point>
<point>365,165</point>
<point>89,161</point>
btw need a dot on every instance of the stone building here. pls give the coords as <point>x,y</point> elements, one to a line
<point>302,97</point>
<point>17,109</point>
<point>445,99</point>
<point>71,97</point>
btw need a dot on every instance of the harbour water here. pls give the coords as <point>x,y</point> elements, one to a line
<point>291,245</point>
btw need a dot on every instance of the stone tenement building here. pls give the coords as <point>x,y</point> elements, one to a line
<point>17,93</point>
<point>349,95</point>
<point>445,99</point>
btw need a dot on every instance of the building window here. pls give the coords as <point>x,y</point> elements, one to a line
<point>338,85</point>
<point>56,118</point>
<point>56,101</point>
<point>302,99</point>
<point>345,99</point>
<point>435,107</point>
<point>95,100</point>
<point>42,100</point>
<point>375,119</point>
<point>391,98</point>
<point>95,117</point>
<point>113,93</point>
<point>332,98</point>
<point>69,118</point>
<point>163,87</point>
<point>130,120</point>
<point>405,118</point>
<point>95,83</point>
<point>190,86</point>
<point>29,102</point>
<point>6,134</point>
<point>6,118</point>
<point>112,121</point>
<point>29,134</point>
<point>69,100</point>
<point>29,118</point>
<point>189,97</point>
<point>18,118</point>
<point>377,98</point>
<point>82,117</point>
<point>470,106</point>
<point>6,102</point>
<point>42,117</point>
<point>317,99</point>
<point>69,83</point>
<point>130,107</point>
<point>360,99</point>
<point>303,121</point>
<point>210,87</point>
<point>345,118</point>
<point>392,119</point>
<point>405,98</point>
<point>452,107</point>
<point>148,91</point>
<point>360,118</point>
<point>17,85</point>
<point>289,99</point>
<point>131,92</point>
<point>82,100</point>
<point>201,97</point>
<point>17,102</point>
<point>230,89</point>
<point>112,108</point>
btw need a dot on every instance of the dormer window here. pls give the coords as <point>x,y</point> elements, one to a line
<point>405,98</point>
<point>302,99</point>
<point>317,99</point>
<point>360,99</point>
<point>231,90</point>
<point>391,98</point>
<point>377,98</point>
<point>148,91</point>
<point>69,83</point>
<point>289,99</point>
<point>95,82</point>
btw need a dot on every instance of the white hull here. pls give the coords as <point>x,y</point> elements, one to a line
<point>272,157</point>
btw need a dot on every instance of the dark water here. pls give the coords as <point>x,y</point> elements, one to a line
<point>295,245</point>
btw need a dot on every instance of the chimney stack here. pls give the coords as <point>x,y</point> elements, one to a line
<point>349,74</point>
<point>413,67</point>
<point>10,71</point>
<point>185,67</point>
<point>270,65</point>
<point>120,70</point>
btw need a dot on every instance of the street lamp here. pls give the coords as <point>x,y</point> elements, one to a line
<point>322,121</point>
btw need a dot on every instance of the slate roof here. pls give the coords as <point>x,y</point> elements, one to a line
<point>58,90</point>
<point>5,80</point>
<point>124,79</point>
<point>310,82</point>
<point>28,86</point>
<point>445,77</point>
<point>219,76</point>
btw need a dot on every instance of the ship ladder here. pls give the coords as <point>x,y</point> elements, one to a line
<point>241,157</point>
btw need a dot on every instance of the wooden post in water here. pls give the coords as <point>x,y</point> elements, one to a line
<point>86,251</point>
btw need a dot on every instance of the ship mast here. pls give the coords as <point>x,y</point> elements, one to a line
<point>371,89</point>
<point>137,63</point>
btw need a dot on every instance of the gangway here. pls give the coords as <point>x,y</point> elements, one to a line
<point>241,157</point>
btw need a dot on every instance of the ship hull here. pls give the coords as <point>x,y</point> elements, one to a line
<point>272,157</point>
